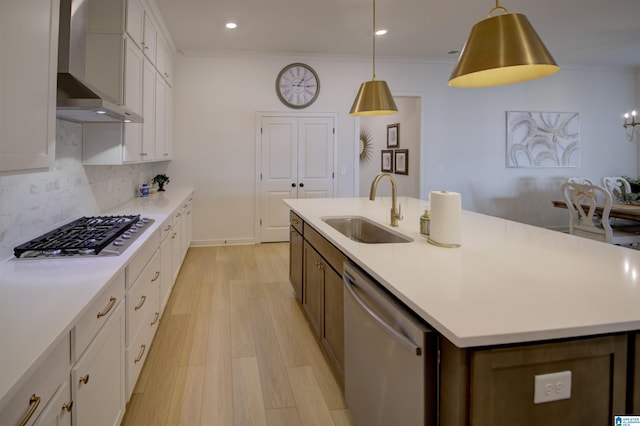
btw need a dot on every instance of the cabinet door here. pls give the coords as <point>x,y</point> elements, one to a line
<point>176,246</point>
<point>333,335</point>
<point>58,411</point>
<point>166,271</point>
<point>148,111</point>
<point>168,124</point>
<point>312,292</point>
<point>135,21</point>
<point>296,250</point>
<point>133,66</point>
<point>160,118</point>
<point>150,39</point>
<point>29,47</point>
<point>98,384</point>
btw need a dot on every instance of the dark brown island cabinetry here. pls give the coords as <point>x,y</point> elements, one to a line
<point>489,385</point>
<point>315,273</point>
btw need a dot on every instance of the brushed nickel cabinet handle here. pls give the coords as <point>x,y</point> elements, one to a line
<point>142,349</point>
<point>84,379</point>
<point>155,318</point>
<point>155,278</point>
<point>112,302</point>
<point>67,406</point>
<point>143,298</point>
<point>34,401</point>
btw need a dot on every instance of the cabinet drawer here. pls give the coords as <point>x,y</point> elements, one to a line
<point>165,228</point>
<point>141,258</point>
<point>296,221</point>
<point>141,295</point>
<point>327,250</point>
<point>139,347</point>
<point>97,315</point>
<point>41,385</point>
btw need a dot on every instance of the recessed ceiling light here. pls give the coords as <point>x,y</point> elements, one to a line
<point>381,32</point>
<point>231,25</point>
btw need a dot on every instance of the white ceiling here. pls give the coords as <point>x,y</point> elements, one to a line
<point>594,32</point>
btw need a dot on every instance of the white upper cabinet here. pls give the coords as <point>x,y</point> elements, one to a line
<point>135,22</point>
<point>150,43</point>
<point>165,62</point>
<point>134,65</point>
<point>28,83</point>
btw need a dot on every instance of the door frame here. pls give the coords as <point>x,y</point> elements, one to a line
<point>259,115</point>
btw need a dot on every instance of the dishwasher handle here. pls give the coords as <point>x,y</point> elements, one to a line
<point>400,338</point>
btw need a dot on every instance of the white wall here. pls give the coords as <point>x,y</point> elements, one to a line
<point>462,134</point>
<point>408,118</point>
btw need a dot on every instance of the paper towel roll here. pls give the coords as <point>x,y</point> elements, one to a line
<point>446,218</point>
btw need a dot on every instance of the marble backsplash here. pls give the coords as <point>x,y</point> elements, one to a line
<point>34,203</point>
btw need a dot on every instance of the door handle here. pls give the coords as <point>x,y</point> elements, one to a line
<point>400,338</point>
<point>301,185</point>
<point>293,185</point>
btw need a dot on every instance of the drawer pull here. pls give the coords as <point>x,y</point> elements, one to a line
<point>155,318</point>
<point>143,298</point>
<point>295,221</point>
<point>155,278</point>
<point>142,349</point>
<point>84,379</point>
<point>67,406</point>
<point>34,401</point>
<point>112,302</point>
<point>167,228</point>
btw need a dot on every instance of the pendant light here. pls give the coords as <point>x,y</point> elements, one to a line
<point>374,97</point>
<point>502,49</point>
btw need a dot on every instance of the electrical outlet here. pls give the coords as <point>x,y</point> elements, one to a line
<point>552,387</point>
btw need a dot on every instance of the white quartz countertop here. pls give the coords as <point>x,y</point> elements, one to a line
<point>507,283</point>
<point>41,299</point>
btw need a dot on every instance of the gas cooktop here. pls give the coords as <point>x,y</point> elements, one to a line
<point>87,236</point>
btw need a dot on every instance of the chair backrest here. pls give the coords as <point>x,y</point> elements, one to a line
<point>582,201</point>
<point>580,180</point>
<point>617,186</point>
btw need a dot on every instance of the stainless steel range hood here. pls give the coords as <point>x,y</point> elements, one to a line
<point>77,100</point>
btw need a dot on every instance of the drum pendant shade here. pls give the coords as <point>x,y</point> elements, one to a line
<point>503,49</point>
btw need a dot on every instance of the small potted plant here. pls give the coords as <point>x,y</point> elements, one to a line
<point>161,180</point>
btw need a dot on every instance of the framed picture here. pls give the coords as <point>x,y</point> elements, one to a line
<point>387,160</point>
<point>543,139</point>
<point>393,135</point>
<point>402,161</point>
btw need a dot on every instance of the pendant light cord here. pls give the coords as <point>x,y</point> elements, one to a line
<point>374,39</point>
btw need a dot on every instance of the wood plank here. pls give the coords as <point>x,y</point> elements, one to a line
<point>186,404</point>
<point>242,344</point>
<point>283,417</point>
<point>342,418</point>
<point>217,392</point>
<point>276,390</point>
<point>248,405</point>
<point>312,407</point>
<point>197,337</point>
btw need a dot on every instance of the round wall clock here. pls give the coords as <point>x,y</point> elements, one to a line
<point>297,85</point>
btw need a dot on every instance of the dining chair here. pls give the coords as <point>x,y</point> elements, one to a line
<point>617,186</point>
<point>582,201</point>
<point>580,180</point>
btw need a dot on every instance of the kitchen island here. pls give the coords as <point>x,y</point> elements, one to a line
<point>509,292</point>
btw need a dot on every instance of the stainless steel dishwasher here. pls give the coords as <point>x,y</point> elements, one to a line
<point>390,357</point>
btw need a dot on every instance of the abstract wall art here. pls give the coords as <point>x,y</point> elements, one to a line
<point>543,139</point>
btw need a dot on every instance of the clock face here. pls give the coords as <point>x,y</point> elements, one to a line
<point>297,85</point>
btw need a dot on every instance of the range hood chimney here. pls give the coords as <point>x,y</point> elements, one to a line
<point>77,100</point>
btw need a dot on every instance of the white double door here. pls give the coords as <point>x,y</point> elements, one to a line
<point>297,161</point>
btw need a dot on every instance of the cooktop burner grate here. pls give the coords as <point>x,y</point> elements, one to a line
<point>84,236</point>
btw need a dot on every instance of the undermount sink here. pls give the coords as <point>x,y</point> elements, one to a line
<point>363,230</point>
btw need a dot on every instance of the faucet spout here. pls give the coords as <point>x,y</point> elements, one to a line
<point>396,210</point>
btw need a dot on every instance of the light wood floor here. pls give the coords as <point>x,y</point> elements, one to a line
<point>233,348</point>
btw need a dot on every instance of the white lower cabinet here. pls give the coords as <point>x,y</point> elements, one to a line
<point>98,379</point>
<point>58,411</point>
<point>38,393</point>
<point>166,270</point>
